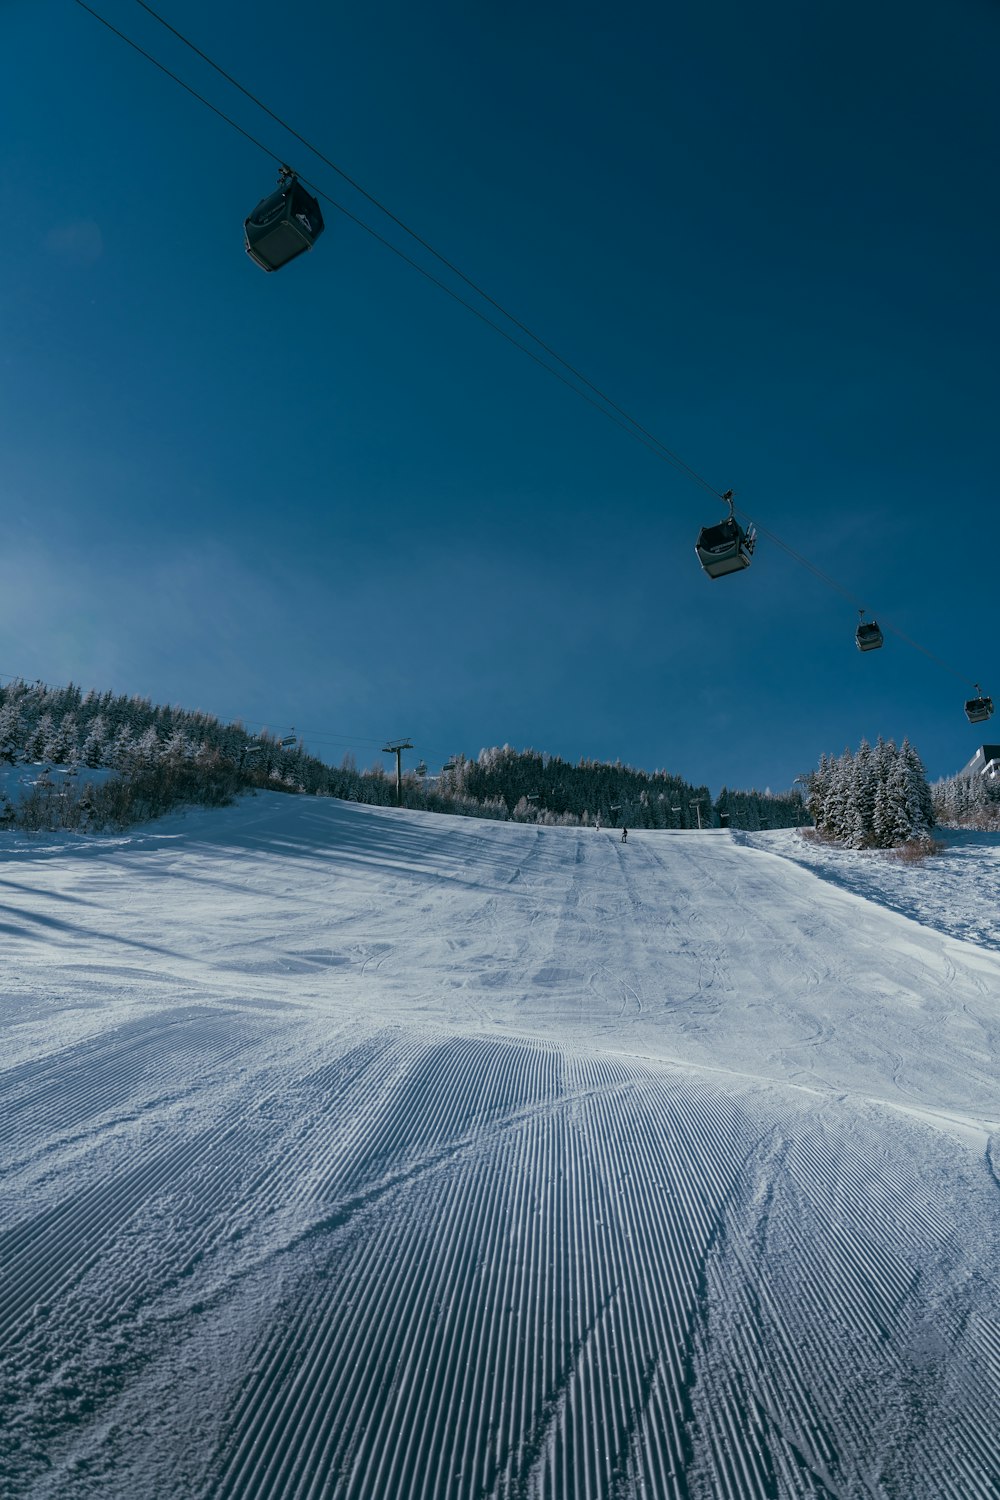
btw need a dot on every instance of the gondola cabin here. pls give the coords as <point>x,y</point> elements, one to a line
<point>285,224</point>
<point>978,709</point>
<point>725,548</point>
<point>868,636</point>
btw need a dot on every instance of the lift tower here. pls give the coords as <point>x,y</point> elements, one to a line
<point>396,748</point>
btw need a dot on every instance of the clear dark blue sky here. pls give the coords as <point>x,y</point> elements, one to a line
<point>331,498</point>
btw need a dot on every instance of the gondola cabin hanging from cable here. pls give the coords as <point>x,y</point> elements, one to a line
<point>285,224</point>
<point>725,548</point>
<point>867,636</point>
<point>979,708</point>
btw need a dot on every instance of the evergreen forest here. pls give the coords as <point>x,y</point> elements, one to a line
<point>92,761</point>
<point>876,798</point>
<point>967,802</point>
<point>100,760</point>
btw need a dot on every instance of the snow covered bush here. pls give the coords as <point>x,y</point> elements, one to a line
<point>915,851</point>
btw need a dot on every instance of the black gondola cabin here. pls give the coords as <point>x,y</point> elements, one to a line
<point>725,548</point>
<point>868,636</point>
<point>285,224</point>
<point>978,709</point>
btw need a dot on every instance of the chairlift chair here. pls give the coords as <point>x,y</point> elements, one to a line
<point>725,548</point>
<point>286,223</point>
<point>868,636</point>
<point>979,708</point>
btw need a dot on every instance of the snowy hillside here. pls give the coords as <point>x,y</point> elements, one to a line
<point>957,891</point>
<point>362,1153</point>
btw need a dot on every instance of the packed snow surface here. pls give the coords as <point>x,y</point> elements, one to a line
<point>956,891</point>
<point>359,1153</point>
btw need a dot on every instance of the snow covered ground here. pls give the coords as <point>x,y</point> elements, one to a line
<point>353,1153</point>
<point>957,890</point>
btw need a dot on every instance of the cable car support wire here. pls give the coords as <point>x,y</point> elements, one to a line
<point>609,408</point>
<point>585,388</point>
<point>426,245</point>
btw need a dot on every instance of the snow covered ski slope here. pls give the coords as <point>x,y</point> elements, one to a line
<point>357,1153</point>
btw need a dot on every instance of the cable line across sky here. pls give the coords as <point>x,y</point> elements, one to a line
<point>552,362</point>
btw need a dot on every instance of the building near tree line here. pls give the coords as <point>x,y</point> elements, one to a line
<point>985,762</point>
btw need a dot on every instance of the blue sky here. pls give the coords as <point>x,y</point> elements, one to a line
<point>331,498</point>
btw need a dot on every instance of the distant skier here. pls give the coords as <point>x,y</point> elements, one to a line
<point>624,835</point>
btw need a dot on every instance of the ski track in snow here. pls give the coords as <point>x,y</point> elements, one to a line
<point>355,1153</point>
